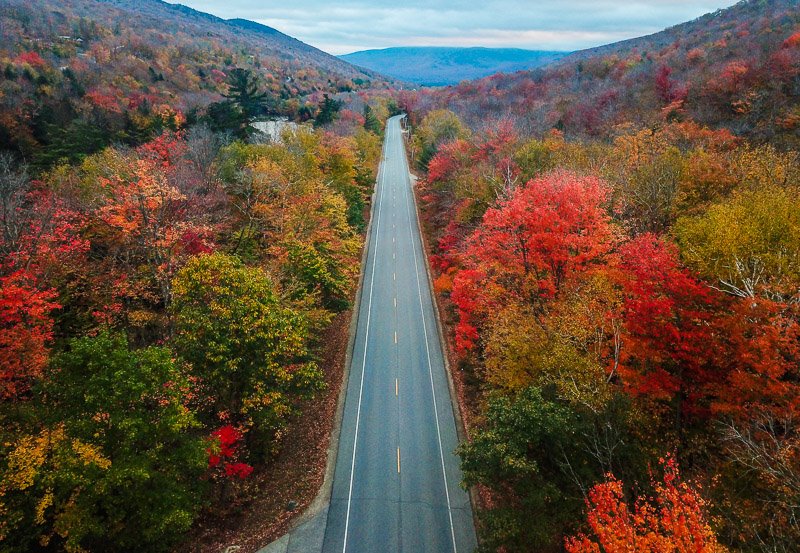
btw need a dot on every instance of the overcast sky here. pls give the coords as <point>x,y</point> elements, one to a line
<point>343,26</point>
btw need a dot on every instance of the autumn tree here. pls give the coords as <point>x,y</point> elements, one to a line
<point>115,464</point>
<point>435,129</point>
<point>667,358</point>
<point>248,349</point>
<point>146,214</point>
<point>747,245</point>
<point>26,331</point>
<point>530,245</point>
<point>537,456</point>
<point>675,521</point>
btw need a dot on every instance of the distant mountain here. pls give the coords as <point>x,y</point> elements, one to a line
<point>439,66</point>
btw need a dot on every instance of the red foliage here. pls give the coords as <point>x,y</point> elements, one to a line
<point>668,315</point>
<point>164,150</point>
<point>26,328</point>
<point>669,90</point>
<point>499,143</point>
<point>674,522</point>
<point>103,100</point>
<point>51,243</point>
<point>222,454</point>
<point>530,244</point>
<point>761,352</point>
<point>238,470</point>
<point>733,77</point>
<point>31,58</point>
<point>447,160</point>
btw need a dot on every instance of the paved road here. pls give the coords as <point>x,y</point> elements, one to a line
<point>396,485</point>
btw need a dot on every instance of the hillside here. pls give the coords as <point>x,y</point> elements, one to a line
<point>80,74</point>
<point>735,69</point>
<point>438,66</point>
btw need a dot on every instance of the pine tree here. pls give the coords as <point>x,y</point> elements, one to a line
<point>328,111</point>
<point>245,94</point>
<point>371,122</point>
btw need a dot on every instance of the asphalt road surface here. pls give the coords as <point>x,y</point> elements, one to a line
<point>396,485</point>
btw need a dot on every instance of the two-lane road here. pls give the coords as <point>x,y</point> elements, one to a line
<point>396,485</point>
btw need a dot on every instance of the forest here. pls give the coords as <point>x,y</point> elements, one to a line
<point>621,291</point>
<point>615,248</point>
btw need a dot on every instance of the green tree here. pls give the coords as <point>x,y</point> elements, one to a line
<point>116,466</point>
<point>328,111</point>
<point>437,127</point>
<point>244,102</point>
<point>539,456</point>
<point>371,122</point>
<point>226,116</point>
<point>244,92</point>
<point>248,349</point>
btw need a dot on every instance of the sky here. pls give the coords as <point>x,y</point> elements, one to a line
<point>344,26</point>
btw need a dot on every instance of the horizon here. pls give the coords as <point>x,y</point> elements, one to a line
<point>358,25</point>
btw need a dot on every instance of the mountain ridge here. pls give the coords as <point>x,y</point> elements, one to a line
<point>444,65</point>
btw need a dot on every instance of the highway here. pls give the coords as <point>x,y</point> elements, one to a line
<point>396,482</point>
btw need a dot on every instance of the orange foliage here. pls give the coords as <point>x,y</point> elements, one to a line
<point>26,327</point>
<point>674,522</point>
<point>793,41</point>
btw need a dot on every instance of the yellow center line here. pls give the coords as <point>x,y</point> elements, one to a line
<point>396,387</point>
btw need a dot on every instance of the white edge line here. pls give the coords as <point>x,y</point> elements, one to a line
<point>430,368</point>
<point>364,359</point>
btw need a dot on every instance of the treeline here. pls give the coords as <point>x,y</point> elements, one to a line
<point>161,308</point>
<point>624,313</point>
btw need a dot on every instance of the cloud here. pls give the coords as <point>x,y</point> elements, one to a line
<point>347,25</point>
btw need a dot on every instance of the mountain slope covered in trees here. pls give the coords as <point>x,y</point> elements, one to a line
<point>80,74</point>
<point>736,68</point>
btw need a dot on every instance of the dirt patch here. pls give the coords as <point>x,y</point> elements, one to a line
<point>259,513</point>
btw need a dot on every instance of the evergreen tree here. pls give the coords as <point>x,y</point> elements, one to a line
<point>244,93</point>
<point>328,111</point>
<point>371,122</point>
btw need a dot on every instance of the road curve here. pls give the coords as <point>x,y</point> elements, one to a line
<point>396,483</point>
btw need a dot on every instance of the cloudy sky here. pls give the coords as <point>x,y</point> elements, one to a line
<point>343,26</point>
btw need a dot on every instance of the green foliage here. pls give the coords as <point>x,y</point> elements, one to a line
<point>72,143</point>
<point>371,122</point>
<point>317,272</point>
<point>539,456</point>
<point>116,466</point>
<point>328,111</point>
<point>226,116</point>
<point>437,128</point>
<point>248,348</point>
<point>244,92</point>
